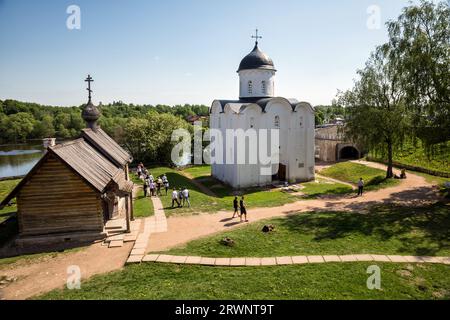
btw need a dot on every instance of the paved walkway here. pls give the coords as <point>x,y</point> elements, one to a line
<point>288,260</point>
<point>155,224</point>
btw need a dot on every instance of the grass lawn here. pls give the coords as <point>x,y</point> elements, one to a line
<point>142,206</point>
<point>385,230</point>
<point>318,281</point>
<point>351,172</point>
<point>202,202</point>
<point>5,188</point>
<point>255,197</point>
<point>199,171</point>
<point>320,187</point>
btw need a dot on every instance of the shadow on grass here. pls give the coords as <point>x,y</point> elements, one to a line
<point>423,230</point>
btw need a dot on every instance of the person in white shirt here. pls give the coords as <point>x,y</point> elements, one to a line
<point>186,197</point>
<point>175,197</point>
<point>360,187</point>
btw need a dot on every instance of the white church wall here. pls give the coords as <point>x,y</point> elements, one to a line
<point>249,173</point>
<point>257,88</point>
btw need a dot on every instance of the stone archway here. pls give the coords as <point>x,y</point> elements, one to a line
<point>347,152</point>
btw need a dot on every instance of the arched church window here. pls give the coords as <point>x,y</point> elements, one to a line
<point>277,122</point>
<point>301,122</point>
<point>220,123</point>
<point>252,122</point>
<point>264,87</point>
<point>250,87</point>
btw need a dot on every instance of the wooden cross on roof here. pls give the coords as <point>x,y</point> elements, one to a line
<point>256,36</point>
<point>89,80</point>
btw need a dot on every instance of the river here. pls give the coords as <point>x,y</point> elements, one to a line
<point>19,159</point>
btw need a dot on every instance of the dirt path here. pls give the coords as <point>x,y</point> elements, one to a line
<point>204,189</point>
<point>336,181</point>
<point>34,279</point>
<point>37,278</point>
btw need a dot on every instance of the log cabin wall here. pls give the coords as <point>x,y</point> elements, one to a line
<point>56,200</point>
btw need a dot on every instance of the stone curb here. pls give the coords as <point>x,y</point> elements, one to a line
<point>282,261</point>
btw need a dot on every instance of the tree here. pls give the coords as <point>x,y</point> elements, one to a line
<point>419,47</point>
<point>18,126</point>
<point>44,128</point>
<point>149,139</point>
<point>136,139</point>
<point>376,113</point>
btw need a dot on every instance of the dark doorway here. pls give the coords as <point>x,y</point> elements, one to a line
<point>281,174</point>
<point>349,153</point>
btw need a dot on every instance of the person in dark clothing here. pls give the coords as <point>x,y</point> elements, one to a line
<point>360,187</point>
<point>243,209</point>
<point>236,207</point>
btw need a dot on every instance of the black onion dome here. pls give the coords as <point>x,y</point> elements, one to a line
<point>256,60</point>
<point>90,112</point>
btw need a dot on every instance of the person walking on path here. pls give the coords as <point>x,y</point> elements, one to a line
<point>180,197</point>
<point>186,197</point>
<point>243,209</point>
<point>236,207</point>
<point>145,188</point>
<point>152,188</point>
<point>175,198</point>
<point>360,187</point>
<point>166,185</point>
<point>159,183</point>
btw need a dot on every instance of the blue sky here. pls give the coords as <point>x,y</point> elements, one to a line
<point>176,52</point>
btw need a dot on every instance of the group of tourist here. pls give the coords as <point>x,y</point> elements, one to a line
<point>180,197</point>
<point>153,187</point>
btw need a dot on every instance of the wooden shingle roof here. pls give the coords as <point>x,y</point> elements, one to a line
<point>107,146</point>
<point>87,162</point>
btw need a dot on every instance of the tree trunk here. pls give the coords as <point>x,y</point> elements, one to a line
<point>389,173</point>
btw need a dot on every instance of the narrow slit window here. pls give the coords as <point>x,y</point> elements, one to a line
<point>277,122</point>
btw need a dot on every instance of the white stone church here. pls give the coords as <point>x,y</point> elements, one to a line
<point>258,108</point>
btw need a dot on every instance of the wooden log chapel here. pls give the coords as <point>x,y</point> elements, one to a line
<point>75,189</point>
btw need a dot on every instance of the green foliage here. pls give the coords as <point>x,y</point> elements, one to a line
<point>149,138</point>
<point>377,116</point>
<point>419,47</point>
<point>326,114</point>
<point>17,127</point>
<point>404,89</point>
<point>66,122</point>
<point>415,154</point>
